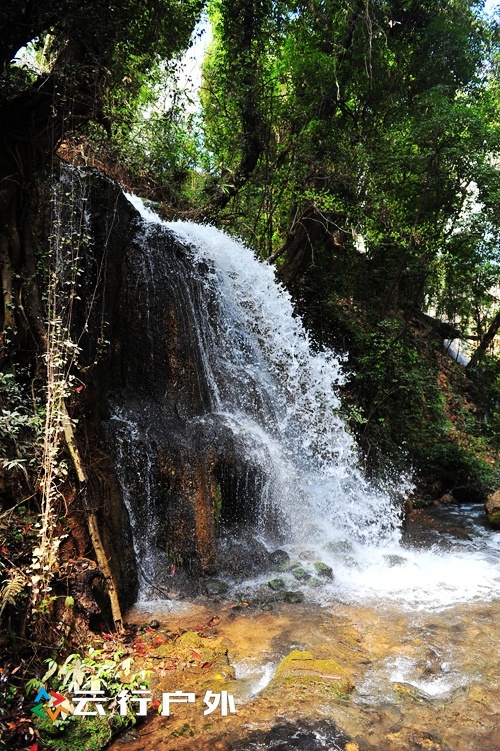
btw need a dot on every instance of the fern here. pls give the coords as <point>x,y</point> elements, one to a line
<point>11,589</point>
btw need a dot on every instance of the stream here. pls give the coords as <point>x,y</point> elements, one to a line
<point>423,659</point>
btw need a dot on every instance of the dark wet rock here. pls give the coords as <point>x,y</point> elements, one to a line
<point>215,588</point>
<point>288,736</point>
<point>140,401</point>
<point>243,557</point>
<point>278,596</point>
<point>154,623</point>
<point>293,596</point>
<point>322,569</point>
<point>280,560</point>
<point>300,574</point>
<point>276,584</point>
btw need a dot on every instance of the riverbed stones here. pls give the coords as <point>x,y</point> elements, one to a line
<point>293,596</point>
<point>315,582</point>
<point>300,573</point>
<point>215,588</point>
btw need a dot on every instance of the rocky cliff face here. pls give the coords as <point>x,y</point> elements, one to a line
<point>162,478</point>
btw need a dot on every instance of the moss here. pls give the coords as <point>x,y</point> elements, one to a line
<point>322,569</point>
<point>495,519</point>
<point>303,666</point>
<point>77,733</point>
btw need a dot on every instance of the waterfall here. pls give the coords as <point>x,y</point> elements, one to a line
<point>269,392</point>
<point>224,419</point>
<point>213,421</point>
<point>280,394</point>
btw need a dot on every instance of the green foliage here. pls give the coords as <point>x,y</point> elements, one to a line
<point>377,186</point>
<point>21,422</point>
<point>488,389</point>
<point>97,670</point>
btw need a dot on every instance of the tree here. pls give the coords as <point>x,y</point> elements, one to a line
<point>378,124</point>
<point>87,66</point>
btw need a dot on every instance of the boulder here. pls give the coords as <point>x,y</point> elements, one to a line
<point>493,509</point>
<point>322,569</point>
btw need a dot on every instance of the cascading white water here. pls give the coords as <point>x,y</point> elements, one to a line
<point>278,395</point>
<point>287,404</point>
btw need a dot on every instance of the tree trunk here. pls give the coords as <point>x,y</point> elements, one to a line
<point>485,342</point>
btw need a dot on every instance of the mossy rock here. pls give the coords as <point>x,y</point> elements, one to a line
<point>322,569</point>
<point>164,650</point>
<point>89,733</point>
<point>394,560</point>
<point>495,519</point>
<point>276,584</point>
<point>300,574</point>
<point>303,666</point>
<point>280,559</point>
<point>191,639</point>
<point>315,582</point>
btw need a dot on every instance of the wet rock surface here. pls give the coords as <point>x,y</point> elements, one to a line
<point>493,509</point>
<point>162,463</point>
<point>287,735</point>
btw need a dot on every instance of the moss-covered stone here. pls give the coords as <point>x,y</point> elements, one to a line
<point>315,582</point>
<point>276,584</point>
<point>394,560</point>
<point>90,733</point>
<point>304,666</point>
<point>300,574</point>
<point>280,559</point>
<point>322,569</point>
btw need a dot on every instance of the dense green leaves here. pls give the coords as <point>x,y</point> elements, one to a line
<point>376,182</point>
